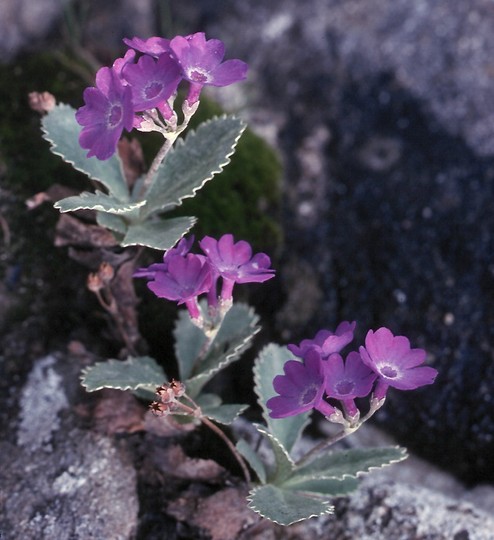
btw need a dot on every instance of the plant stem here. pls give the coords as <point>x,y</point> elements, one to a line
<point>230,445</point>
<point>206,421</point>
<point>160,156</point>
<point>323,445</point>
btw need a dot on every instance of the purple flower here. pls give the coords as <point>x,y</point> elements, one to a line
<point>154,46</point>
<point>201,62</point>
<point>235,263</point>
<point>120,63</point>
<point>300,389</point>
<point>152,81</point>
<point>184,279</point>
<point>348,380</point>
<point>182,248</point>
<point>107,111</point>
<point>326,342</point>
<point>395,363</point>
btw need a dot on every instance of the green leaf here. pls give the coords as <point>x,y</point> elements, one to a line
<point>162,235</point>
<point>286,507</point>
<point>348,463</point>
<point>192,162</point>
<point>327,487</point>
<point>284,464</point>
<point>234,337</point>
<point>252,459</point>
<point>269,364</point>
<point>96,201</point>
<point>61,130</point>
<point>189,342</point>
<point>112,222</point>
<point>224,414</point>
<point>133,373</point>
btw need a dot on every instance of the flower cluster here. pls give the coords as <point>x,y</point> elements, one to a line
<point>144,83</point>
<point>183,276</point>
<point>323,374</point>
<point>167,396</point>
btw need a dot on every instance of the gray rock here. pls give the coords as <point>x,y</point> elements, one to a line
<point>60,481</point>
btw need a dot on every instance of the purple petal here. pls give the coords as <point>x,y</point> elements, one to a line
<point>229,72</point>
<point>155,46</point>
<point>414,378</point>
<point>379,343</point>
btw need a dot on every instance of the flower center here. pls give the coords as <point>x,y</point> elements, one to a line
<point>308,395</point>
<point>345,387</point>
<point>115,115</point>
<point>198,75</point>
<point>152,90</point>
<point>389,372</point>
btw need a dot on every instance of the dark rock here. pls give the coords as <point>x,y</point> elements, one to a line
<point>383,119</point>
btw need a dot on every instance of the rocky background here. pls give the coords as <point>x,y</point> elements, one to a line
<point>381,111</point>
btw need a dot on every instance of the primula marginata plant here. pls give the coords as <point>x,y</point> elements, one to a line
<point>139,92</point>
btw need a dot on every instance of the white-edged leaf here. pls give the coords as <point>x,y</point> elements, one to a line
<point>96,201</point>
<point>235,335</point>
<point>270,363</point>
<point>113,222</point>
<point>327,487</point>
<point>162,234</point>
<point>224,414</point>
<point>189,342</point>
<point>61,130</point>
<point>253,459</point>
<point>130,374</point>
<point>284,464</point>
<point>348,463</point>
<point>286,507</point>
<point>192,162</point>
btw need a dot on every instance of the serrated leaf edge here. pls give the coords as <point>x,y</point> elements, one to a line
<point>127,206</point>
<point>330,509</point>
<point>358,474</point>
<point>255,330</point>
<point>257,380</point>
<point>244,407</point>
<point>192,222</point>
<point>54,146</point>
<point>264,431</point>
<point>181,142</point>
<point>86,370</point>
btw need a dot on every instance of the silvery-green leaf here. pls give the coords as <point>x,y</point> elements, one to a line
<point>286,507</point>
<point>269,364</point>
<point>192,162</point>
<point>113,222</point>
<point>348,463</point>
<point>284,464</point>
<point>327,487</point>
<point>224,414</point>
<point>252,459</point>
<point>61,130</point>
<point>96,201</point>
<point>234,337</point>
<point>162,234</point>
<point>189,342</point>
<point>133,373</point>
<point>206,399</point>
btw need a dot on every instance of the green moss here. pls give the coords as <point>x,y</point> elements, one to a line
<point>30,166</point>
<point>244,198</point>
